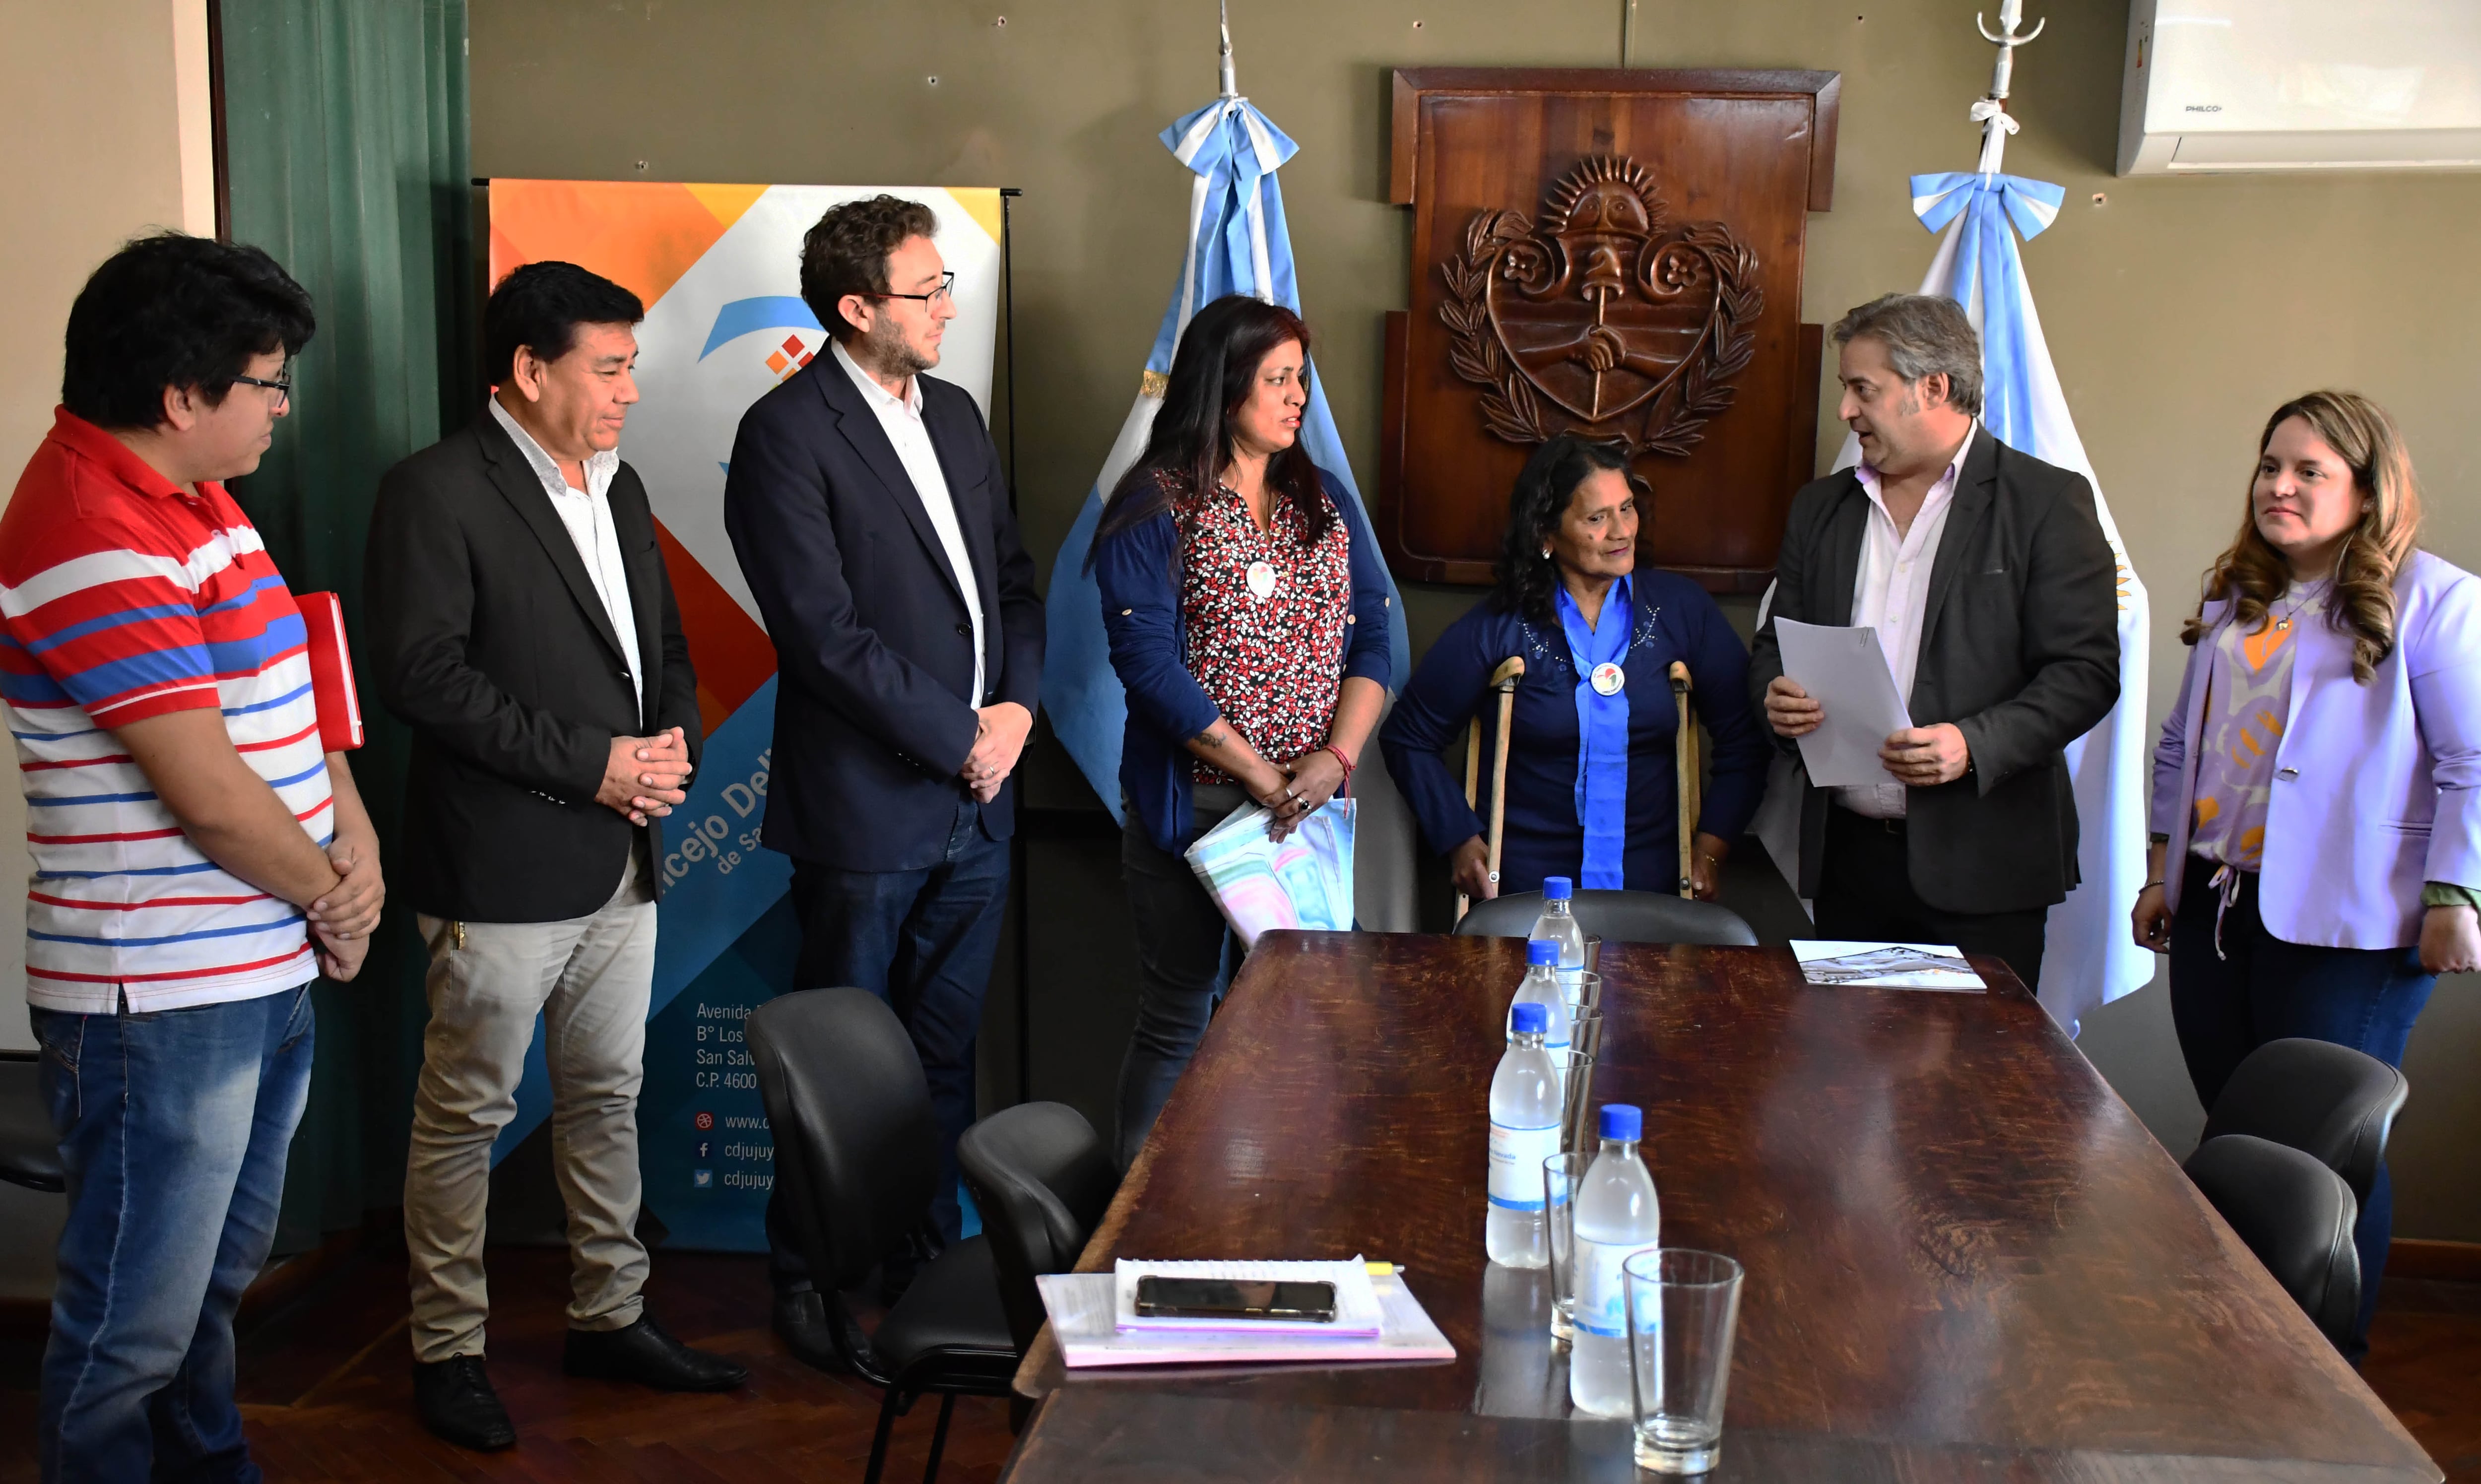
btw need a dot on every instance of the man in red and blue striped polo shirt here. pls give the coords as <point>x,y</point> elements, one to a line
<point>197,859</point>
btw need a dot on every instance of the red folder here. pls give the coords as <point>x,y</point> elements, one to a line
<point>331,672</point>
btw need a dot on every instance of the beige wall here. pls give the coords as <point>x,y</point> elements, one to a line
<point>2179,311</point>
<point>104,107</point>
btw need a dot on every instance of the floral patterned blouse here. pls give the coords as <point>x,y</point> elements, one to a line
<point>1266,616</point>
<point>2248,696</point>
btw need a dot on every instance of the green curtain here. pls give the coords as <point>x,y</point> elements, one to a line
<point>347,142</point>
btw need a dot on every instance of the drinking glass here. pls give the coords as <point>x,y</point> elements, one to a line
<point>1683,1307</point>
<point>1582,989</point>
<point>1562,1175</point>
<point>1576,1066</point>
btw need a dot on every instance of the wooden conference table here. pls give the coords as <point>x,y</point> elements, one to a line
<point>1967,1260</point>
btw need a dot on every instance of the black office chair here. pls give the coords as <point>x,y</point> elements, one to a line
<point>2296,1216</point>
<point>2329,1100</point>
<point>1616,917</point>
<point>858,1153</point>
<point>30,1150</point>
<point>1041,1180</point>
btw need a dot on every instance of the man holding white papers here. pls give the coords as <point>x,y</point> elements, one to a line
<point>1992,593</point>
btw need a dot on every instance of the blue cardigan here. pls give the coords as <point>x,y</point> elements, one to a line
<point>1675,619</point>
<point>1138,571</point>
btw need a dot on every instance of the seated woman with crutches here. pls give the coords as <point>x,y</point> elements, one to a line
<point>1571,662</point>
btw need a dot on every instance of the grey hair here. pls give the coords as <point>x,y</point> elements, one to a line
<point>1925,334</point>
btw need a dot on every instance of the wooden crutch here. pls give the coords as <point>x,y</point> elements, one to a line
<point>1684,764</point>
<point>1504,680</point>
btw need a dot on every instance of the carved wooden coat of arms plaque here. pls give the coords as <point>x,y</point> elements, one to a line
<point>1616,254</point>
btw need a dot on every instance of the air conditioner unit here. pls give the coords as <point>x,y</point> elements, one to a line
<point>2301,85</point>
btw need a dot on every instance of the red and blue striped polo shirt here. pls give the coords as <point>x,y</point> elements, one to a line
<point>123,596</point>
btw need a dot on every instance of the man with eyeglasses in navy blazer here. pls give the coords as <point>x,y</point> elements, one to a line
<point>866,501</point>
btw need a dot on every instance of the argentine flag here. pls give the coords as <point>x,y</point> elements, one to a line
<point>2089,958</point>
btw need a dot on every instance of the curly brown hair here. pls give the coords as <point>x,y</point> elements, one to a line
<point>847,253</point>
<point>2252,574</point>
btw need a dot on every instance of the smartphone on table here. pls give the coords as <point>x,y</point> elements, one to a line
<point>1223,1298</point>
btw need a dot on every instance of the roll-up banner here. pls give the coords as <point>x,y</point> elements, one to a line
<point>718,269</point>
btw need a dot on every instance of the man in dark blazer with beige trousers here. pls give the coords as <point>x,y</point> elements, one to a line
<point>521,623</point>
<point>1994,595</point>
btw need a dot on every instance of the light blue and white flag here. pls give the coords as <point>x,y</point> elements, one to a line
<point>2090,959</point>
<point>1237,244</point>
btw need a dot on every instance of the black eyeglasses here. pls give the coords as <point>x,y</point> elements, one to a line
<point>946,290</point>
<point>283,389</point>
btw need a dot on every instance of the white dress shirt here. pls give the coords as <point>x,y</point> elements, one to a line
<point>587,514</point>
<point>901,419</point>
<point>1890,594</point>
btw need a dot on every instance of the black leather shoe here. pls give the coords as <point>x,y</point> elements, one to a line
<point>804,1321</point>
<point>644,1354</point>
<point>455,1400</point>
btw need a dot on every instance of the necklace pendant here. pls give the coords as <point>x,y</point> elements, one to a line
<point>2281,624</point>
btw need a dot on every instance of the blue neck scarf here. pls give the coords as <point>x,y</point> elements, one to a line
<point>1603,737</point>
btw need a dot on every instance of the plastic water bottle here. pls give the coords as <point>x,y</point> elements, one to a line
<point>1616,1218</point>
<point>1523,1131</point>
<point>1558,924</point>
<point>1540,986</point>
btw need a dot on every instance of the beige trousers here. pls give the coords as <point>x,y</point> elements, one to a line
<point>589,978</point>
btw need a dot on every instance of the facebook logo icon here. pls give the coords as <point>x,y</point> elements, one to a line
<point>702,1180</point>
<point>702,1147</point>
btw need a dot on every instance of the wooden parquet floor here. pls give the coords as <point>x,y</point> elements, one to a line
<point>327,1391</point>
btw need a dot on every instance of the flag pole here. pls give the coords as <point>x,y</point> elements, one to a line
<point>1991,111</point>
<point>1223,20</point>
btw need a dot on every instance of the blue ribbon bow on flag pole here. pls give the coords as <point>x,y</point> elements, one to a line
<point>1237,244</point>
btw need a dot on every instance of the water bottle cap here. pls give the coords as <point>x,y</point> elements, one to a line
<point>1541,950</point>
<point>1621,1121</point>
<point>1532,1019</point>
<point>1558,888</point>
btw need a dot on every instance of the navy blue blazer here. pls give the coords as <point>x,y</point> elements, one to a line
<point>1675,619</point>
<point>1138,571</point>
<point>874,648</point>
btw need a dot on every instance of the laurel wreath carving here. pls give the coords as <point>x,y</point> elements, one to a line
<point>1671,422</point>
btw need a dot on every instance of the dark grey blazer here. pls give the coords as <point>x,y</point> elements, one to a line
<point>2020,650</point>
<point>487,639</point>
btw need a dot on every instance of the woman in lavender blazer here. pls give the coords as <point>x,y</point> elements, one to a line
<point>2314,790</point>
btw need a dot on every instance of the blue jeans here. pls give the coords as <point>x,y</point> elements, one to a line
<point>2262,989</point>
<point>923,941</point>
<point>174,1128</point>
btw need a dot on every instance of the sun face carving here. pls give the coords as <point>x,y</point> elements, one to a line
<point>1606,317</point>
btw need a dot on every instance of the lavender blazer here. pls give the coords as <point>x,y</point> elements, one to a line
<point>2374,786</point>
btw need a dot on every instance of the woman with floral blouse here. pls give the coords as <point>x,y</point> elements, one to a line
<point>1247,608</point>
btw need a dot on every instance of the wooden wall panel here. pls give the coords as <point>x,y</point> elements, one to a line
<point>1613,252</point>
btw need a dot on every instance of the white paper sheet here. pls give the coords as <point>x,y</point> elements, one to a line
<point>1846,671</point>
<point>1885,965</point>
<point>1085,1322</point>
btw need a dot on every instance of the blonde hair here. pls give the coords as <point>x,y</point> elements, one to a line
<point>2252,574</point>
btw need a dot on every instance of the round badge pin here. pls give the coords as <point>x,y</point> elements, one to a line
<point>1262,579</point>
<point>1608,679</point>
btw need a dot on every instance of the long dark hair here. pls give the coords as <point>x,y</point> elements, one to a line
<point>1212,372</point>
<point>2253,574</point>
<point>1529,581</point>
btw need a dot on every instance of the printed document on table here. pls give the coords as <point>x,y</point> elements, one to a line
<point>1885,965</point>
<point>1846,671</point>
